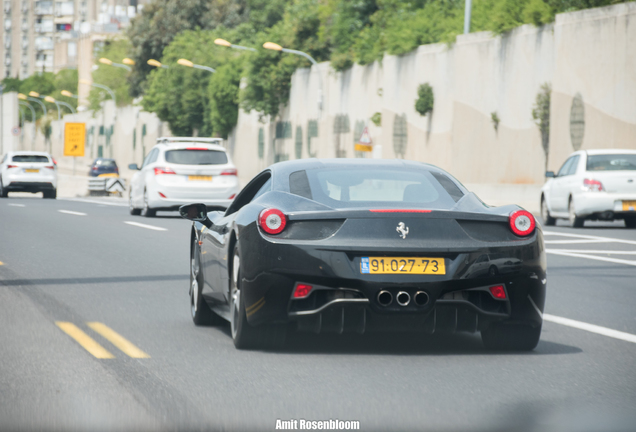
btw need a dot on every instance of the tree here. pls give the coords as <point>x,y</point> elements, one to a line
<point>541,116</point>
<point>223,91</point>
<point>66,79</point>
<point>426,100</point>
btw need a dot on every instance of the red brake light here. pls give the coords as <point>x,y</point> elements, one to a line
<point>94,168</point>
<point>196,148</point>
<point>11,166</point>
<point>592,185</point>
<point>399,211</point>
<point>50,167</point>
<point>272,221</point>
<point>54,161</point>
<point>232,197</point>
<point>302,291</point>
<point>231,172</point>
<point>522,222</point>
<point>498,292</point>
<point>164,171</point>
<point>162,195</point>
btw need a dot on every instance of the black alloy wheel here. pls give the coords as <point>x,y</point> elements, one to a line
<point>199,309</point>
<point>545,214</point>
<point>244,335</point>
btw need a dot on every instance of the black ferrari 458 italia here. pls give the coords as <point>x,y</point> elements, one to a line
<point>359,245</point>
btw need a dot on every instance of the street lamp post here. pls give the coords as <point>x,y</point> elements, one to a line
<point>26,104</point>
<point>188,63</point>
<point>112,95</point>
<point>225,43</point>
<point>275,47</point>
<point>25,97</point>
<point>112,63</point>
<point>157,64</point>
<point>69,94</point>
<point>467,13</point>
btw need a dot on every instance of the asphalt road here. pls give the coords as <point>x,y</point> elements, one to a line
<point>76,269</point>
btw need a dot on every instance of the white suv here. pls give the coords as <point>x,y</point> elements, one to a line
<point>28,171</point>
<point>180,171</point>
<point>592,185</point>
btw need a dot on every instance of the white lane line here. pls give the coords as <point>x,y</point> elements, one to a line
<point>17,205</point>
<point>140,225</point>
<point>590,237</point>
<point>591,328</point>
<point>574,241</point>
<point>608,252</point>
<point>72,212</point>
<point>94,202</point>
<point>593,257</point>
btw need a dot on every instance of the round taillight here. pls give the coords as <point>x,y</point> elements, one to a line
<point>522,223</point>
<point>272,221</point>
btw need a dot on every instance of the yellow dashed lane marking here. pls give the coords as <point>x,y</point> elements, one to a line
<point>118,340</point>
<point>84,340</point>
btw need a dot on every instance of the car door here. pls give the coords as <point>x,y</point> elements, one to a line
<point>559,191</point>
<point>215,248</point>
<point>137,184</point>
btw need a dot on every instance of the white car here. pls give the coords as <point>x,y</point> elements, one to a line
<point>28,171</point>
<point>592,185</point>
<point>180,171</point>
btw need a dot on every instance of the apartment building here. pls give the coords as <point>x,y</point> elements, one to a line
<point>43,35</point>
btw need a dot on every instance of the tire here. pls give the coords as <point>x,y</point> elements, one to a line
<point>199,309</point>
<point>147,211</point>
<point>3,191</point>
<point>577,222</point>
<point>502,337</point>
<point>244,335</point>
<point>545,214</point>
<point>630,222</point>
<point>49,194</point>
<point>133,211</point>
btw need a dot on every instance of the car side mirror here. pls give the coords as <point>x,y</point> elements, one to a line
<point>196,213</point>
<point>549,174</point>
<point>133,167</point>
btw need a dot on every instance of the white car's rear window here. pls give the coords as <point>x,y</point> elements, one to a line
<point>611,162</point>
<point>196,157</point>
<point>30,158</point>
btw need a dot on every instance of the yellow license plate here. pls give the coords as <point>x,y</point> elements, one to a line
<point>400,265</point>
<point>200,178</point>
<point>629,205</point>
<point>32,170</point>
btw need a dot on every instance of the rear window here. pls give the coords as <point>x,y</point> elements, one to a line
<point>105,163</point>
<point>611,162</point>
<point>30,158</point>
<point>396,188</point>
<point>196,157</point>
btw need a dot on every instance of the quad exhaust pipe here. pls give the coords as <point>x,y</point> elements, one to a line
<point>385,298</point>
<point>421,298</point>
<point>403,298</point>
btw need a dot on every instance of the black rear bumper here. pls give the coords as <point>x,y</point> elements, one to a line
<point>29,187</point>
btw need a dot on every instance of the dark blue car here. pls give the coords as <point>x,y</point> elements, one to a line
<point>103,166</point>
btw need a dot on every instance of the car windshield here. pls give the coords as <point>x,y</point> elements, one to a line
<point>196,157</point>
<point>611,162</point>
<point>30,158</point>
<point>380,187</point>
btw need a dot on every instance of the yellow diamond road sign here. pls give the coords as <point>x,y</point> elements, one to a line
<point>74,138</point>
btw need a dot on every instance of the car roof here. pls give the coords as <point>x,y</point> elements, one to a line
<point>185,145</point>
<point>28,152</point>
<point>610,151</point>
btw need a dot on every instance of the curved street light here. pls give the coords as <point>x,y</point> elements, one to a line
<point>103,87</point>
<point>25,97</point>
<point>223,42</point>
<point>157,64</point>
<point>58,103</point>
<point>128,61</point>
<point>109,62</point>
<point>188,63</point>
<point>275,47</point>
<point>69,94</point>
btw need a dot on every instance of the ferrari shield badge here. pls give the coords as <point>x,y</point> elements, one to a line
<point>402,229</point>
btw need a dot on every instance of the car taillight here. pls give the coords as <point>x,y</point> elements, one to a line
<point>117,170</point>
<point>11,166</point>
<point>94,168</point>
<point>159,171</point>
<point>592,185</point>
<point>232,196</point>
<point>196,148</point>
<point>522,222</point>
<point>231,172</point>
<point>50,167</point>
<point>302,290</point>
<point>498,292</point>
<point>54,161</point>
<point>272,221</point>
